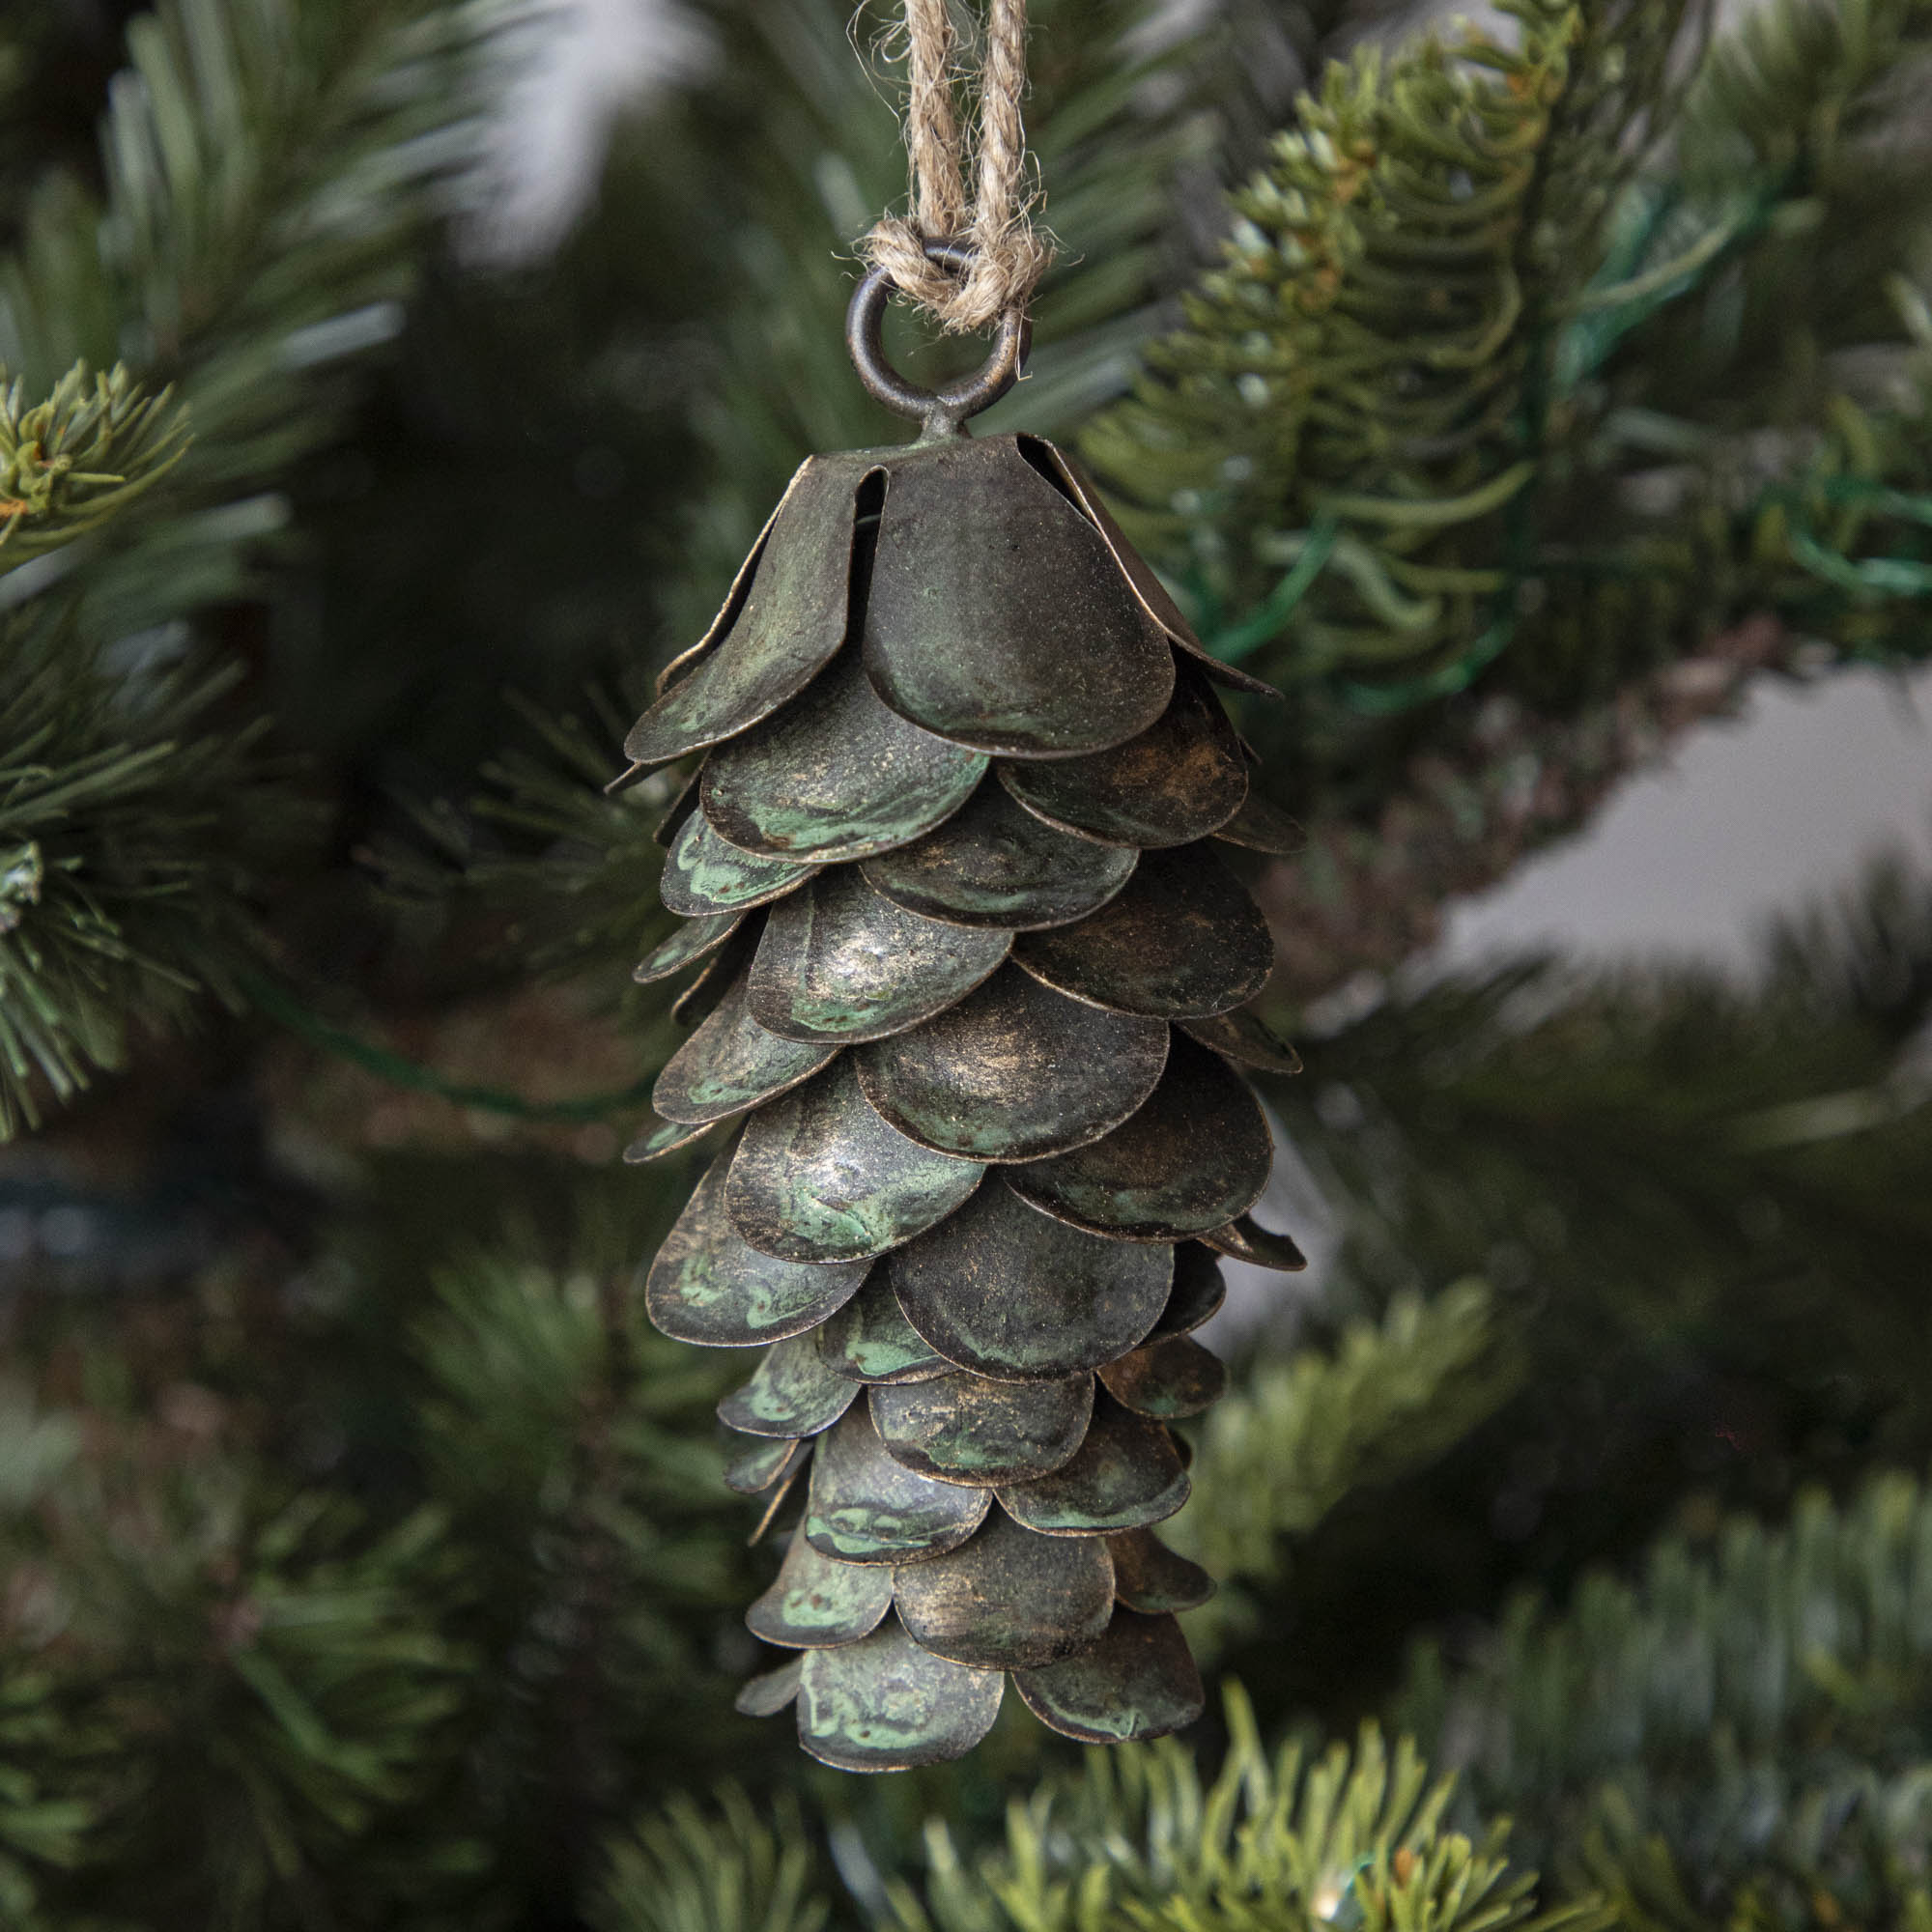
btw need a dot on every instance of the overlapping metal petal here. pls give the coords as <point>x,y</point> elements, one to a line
<point>974,996</point>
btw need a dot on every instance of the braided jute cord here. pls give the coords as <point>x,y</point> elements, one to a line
<point>1008,257</point>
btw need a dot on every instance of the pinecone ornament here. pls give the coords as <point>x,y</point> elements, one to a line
<point>977,990</point>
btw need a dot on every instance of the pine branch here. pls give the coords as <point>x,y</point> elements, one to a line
<point>70,462</point>
<point>250,1693</point>
<point>271,172</point>
<point>682,1870</point>
<point>124,862</point>
<point>1743,1737</point>
<point>1139,1844</point>
<point>1294,1436</point>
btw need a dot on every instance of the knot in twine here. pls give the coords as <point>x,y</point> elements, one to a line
<point>1008,256</point>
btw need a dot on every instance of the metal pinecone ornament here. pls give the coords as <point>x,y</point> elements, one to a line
<point>976,990</point>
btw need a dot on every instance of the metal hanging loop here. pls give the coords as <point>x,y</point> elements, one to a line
<point>939,412</point>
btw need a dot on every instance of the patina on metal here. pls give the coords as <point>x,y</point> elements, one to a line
<point>869,1339</point>
<point>995,864</point>
<point>754,1469</point>
<point>1200,1287</point>
<point>1014,1071</point>
<point>1054,463</point>
<point>1150,1578</point>
<point>788,623</point>
<point>1245,1240</point>
<point>816,1602</point>
<point>791,1393</point>
<point>1193,1158</point>
<point>731,1063</point>
<point>703,874</point>
<point>1137,1682</point>
<point>1243,1036</point>
<point>1179,781</point>
<point>1010,1599</point>
<point>943,706</point>
<point>1182,939</point>
<point>701,997</point>
<point>691,940</point>
<point>840,961</point>
<point>1007,1292</point>
<point>1260,825</point>
<point>819,1177</point>
<point>964,1429</point>
<point>665,1137</point>
<point>886,1704</point>
<point>836,776</point>
<point>998,617</point>
<point>769,1692</point>
<point>1128,1474</point>
<point>865,1507</point>
<point>1165,1380</point>
<point>709,1286</point>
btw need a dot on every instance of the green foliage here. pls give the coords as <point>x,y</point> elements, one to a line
<point>1471,397</point>
<point>682,1870</point>
<point>269,174</point>
<point>1140,1844</point>
<point>1744,1737</point>
<point>1296,1435</point>
<point>71,461</point>
<point>217,1699</point>
<point>1352,388</point>
<point>572,1448</point>
<point>124,867</point>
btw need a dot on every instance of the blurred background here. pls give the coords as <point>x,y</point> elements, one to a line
<point>1540,402</point>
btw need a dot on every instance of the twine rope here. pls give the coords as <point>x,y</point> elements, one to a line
<point>1008,255</point>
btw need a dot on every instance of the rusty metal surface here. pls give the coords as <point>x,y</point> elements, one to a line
<point>886,1704</point>
<point>1147,586</point>
<point>1150,1578</point>
<point>864,1507</point>
<point>998,617</point>
<point>1010,1599</point>
<point>840,961</point>
<point>869,1339</point>
<point>814,1603</point>
<point>769,1692</point>
<point>792,1393</point>
<point>1128,1474</point>
<point>1011,1293</point>
<point>1245,1240</point>
<point>783,625</point>
<point>692,940</point>
<point>1165,1380</point>
<point>1177,783</point>
<point>1137,1682</point>
<point>1260,825</point>
<point>1014,1071</point>
<point>731,1063</point>
<point>964,1429</point>
<point>835,776</point>
<point>703,874</point>
<point>819,1177</point>
<point>707,1285</point>
<point>1193,1158</point>
<point>1183,938</point>
<point>1243,1036</point>
<point>1199,1290</point>
<point>995,864</point>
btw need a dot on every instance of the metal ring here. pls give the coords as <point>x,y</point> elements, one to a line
<point>940,412</point>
